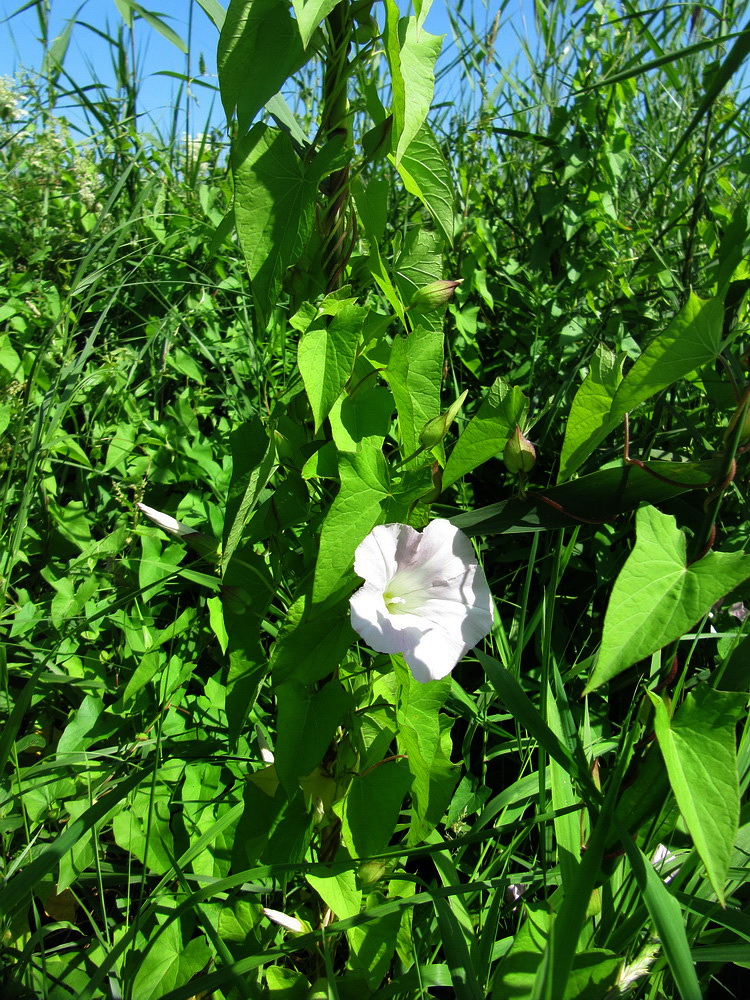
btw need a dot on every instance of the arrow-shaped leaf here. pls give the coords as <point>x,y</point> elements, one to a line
<point>657,597</point>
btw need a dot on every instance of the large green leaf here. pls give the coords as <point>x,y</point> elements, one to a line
<point>424,738</point>
<point>699,749</point>
<point>414,374</point>
<point>365,413</point>
<point>411,52</point>
<point>253,459</point>
<point>358,507</point>
<point>420,263</point>
<point>169,963</point>
<point>306,725</point>
<point>312,641</point>
<point>310,14</point>
<point>485,435</point>
<point>590,421</point>
<point>339,892</point>
<point>372,944</point>
<point>427,176</point>
<point>593,971</point>
<point>657,596</point>
<point>370,811</point>
<point>259,48</point>
<point>326,355</point>
<point>274,203</point>
<point>600,497</point>
<point>691,340</point>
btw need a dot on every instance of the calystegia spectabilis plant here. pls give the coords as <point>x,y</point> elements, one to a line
<point>387,596</point>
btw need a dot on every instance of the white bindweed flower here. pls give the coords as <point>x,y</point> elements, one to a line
<point>166,521</point>
<point>424,596</point>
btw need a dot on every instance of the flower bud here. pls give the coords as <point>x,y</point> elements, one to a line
<point>292,924</point>
<point>204,545</point>
<point>371,872</point>
<point>435,430</point>
<point>434,296</point>
<point>519,453</point>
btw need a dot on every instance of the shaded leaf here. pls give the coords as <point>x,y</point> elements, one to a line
<point>274,202</point>
<point>312,641</point>
<point>370,811</point>
<point>251,70</point>
<point>691,340</point>
<point>599,497</point>
<point>306,725</point>
<point>590,421</point>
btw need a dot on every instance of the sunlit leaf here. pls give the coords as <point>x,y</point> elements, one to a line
<point>658,596</point>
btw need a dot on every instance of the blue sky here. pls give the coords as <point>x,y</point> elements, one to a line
<point>89,57</point>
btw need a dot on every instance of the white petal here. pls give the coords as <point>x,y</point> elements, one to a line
<point>166,521</point>
<point>434,655</point>
<point>375,557</point>
<point>445,552</point>
<point>382,631</point>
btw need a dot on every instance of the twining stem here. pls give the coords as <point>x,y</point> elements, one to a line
<point>337,220</point>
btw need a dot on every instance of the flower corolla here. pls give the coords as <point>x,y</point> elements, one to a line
<point>424,596</point>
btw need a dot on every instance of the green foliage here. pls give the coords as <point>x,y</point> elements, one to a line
<point>345,331</point>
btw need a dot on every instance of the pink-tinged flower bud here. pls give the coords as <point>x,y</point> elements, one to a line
<point>435,430</point>
<point>434,296</point>
<point>519,453</point>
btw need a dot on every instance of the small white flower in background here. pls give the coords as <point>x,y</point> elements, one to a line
<point>166,521</point>
<point>425,596</point>
<point>663,859</point>
<point>266,753</point>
